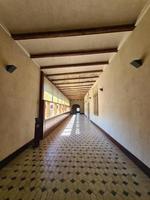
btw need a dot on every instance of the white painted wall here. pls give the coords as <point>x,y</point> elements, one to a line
<point>124,104</point>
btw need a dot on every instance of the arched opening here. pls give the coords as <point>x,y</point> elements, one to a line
<point>75,109</point>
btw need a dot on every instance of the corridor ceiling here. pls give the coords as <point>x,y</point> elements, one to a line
<point>71,40</point>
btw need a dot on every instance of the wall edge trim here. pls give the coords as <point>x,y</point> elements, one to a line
<point>12,156</point>
<point>56,116</point>
<point>132,157</point>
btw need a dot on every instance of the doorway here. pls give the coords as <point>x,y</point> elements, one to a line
<point>75,109</point>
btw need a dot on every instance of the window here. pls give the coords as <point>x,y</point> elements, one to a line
<point>53,109</point>
<point>55,102</point>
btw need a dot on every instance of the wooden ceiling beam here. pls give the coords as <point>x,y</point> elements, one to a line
<point>75,93</point>
<point>76,65</point>
<point>74,53</point>
<point>74,73</point>
<point>74,86</point>
<point>68,83</point>
<point>79,98</point>
<point>61,88</point>
<point>67,89</point>
<point>78,86</point>
<point>75,78</point>
<point>70,33</point>
<point>75,89</point>
<point>76,97</point>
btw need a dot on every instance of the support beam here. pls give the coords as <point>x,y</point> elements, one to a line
<point>79,86</point>
<point>75,78</point>
<point>88,88</point>
<point>77,89</point>
<point>59,86</point>
<point>76,65</point>
<point>75,93</point>
<point>75,97</point>
<point>68,83</point>
<point>74,53</point>
<point>74,86</point>
<point>74,73</point>
<point>70,33</point>
<point>74,90</point>
<point>82,94</point>
<point>38,135</point>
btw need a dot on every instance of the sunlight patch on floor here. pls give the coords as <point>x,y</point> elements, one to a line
<point>68,130</point>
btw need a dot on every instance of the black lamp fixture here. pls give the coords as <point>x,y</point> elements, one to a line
<point>10,68</point>
<point>101,89</point>
<point>137,63</point>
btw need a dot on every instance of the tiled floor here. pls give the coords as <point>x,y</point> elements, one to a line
<point>74,162</point>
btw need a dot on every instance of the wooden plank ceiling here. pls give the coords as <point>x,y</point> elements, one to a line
<point>71,40</point>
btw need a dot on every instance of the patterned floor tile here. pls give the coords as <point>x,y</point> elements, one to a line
<point>76,161</point>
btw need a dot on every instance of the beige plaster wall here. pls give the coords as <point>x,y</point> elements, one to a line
<point>19,93</point>
<point>79,102</point>
<point>124,104</point>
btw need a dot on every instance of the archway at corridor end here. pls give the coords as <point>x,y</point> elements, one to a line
<point>75,109</point>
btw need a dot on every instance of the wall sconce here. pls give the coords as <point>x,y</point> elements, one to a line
<point>137,63</point>
<point>90,97</point>
<point>101,89</point>
<point>10,68</point>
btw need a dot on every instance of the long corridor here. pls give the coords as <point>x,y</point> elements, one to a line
<point>76,161</point>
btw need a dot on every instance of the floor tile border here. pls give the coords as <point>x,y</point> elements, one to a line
<point>12,156</point>
<point>138,162</point>
<point>9,158</point>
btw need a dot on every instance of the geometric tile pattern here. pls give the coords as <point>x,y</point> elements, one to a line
<point>75,162</point>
